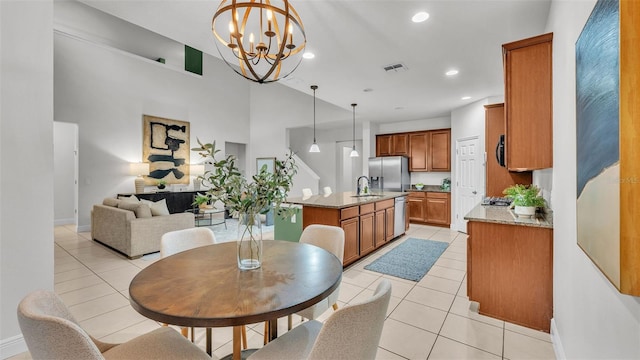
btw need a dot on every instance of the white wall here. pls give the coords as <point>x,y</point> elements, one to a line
<point>592,319</point>
<point>466,121</point>
<point>26,160</point>
<point>107,91</point>
<point>65,144</point>
<point>414,125</point>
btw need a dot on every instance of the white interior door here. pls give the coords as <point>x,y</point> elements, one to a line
<point>469,179</point>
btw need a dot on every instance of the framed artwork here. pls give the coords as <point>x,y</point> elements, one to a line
<point>269,162</point>
<point>608,174</point>
<point>165,146</point>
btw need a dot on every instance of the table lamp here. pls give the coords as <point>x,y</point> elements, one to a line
<point>196,170</point>
<point>139,170</point>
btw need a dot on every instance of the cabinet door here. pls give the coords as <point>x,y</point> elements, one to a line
<point>351,250</point>
<point>406,216</point>
<point>416,204</point>
<point>383,145</point>
<point>440,150</point>
<point>380,234</point>
<point>367,239</point>
<point>528,103</point>
<point>389,218</point>
<point>400,144</point>
<point>418,151</point>
<point>498,177</point>
<point>438,208</point>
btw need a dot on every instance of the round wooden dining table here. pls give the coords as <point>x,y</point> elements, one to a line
<point>203,287</point>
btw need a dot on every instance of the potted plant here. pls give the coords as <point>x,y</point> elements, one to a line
<point>267,190</point>
<point>525,198</point>
<point>161,184</point>
<point>200,201</point>
<point>419,186</point>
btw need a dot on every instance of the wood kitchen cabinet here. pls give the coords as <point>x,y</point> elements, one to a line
<point>380,223</point>
<point>351,243</point>
<point>389,221</point>
<point>528,103</point>
<point>439,150</point>
<point>437,208</point>
<point>392,144</point>
<point>367,229</point>
<point>510,272</point>
<point>498,177</point>
<point>418,156</point>
<point>432,208</point>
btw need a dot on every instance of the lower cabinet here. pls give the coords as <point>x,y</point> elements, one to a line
<point>367,234</point>
<point>432,208</point>
<point>351,248</point>
<point>380,234</point>
<point>389,220</point>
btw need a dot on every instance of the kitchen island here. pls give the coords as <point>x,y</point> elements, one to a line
<point>367,221</point>
<point>510,265</point>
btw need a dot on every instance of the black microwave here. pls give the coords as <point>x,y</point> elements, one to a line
<point>500,151</point>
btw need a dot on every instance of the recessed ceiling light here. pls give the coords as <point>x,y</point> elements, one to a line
<point>420,17</point>
<point>466,97</point>
<point>368,90</point>
<point>308,55</point>
<point>398,108</point>
<point>452,72</point>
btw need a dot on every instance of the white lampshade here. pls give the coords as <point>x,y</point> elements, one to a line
<point>196,169</point>
<point>314,148</point>
<point>354,153</point>
<point>139,169</point>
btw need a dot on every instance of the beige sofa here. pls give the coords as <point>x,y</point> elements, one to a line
<point>132,235</point>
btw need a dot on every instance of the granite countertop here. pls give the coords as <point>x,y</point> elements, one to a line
<point>342,200</point>
<point>505,215</point>
<point>428,188</point>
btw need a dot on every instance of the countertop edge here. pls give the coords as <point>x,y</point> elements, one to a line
<point>489,214</point>
<point>341,204</point>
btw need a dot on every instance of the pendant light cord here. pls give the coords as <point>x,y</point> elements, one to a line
<point>314,87</point>
<point>354,125</point>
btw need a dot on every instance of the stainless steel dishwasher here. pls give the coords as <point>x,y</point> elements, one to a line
<point>398,220</point>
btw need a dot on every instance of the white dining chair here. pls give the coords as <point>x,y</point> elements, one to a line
<point>352,332</point>
<point>51,332</point>
<point>306,192</point>
<point>327,190</point>
<point>330,238</point>
<point>174,242</point>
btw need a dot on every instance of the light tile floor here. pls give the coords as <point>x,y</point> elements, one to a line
<point>430,319</point>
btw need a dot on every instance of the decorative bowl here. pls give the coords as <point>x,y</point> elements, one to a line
<point>419,186</point>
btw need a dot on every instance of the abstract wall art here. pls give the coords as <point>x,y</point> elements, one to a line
<point>165,146</point>
<point>608,152</point>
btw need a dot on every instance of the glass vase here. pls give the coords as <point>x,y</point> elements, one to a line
<point>249,241</point>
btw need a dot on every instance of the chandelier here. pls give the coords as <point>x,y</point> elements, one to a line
<point>255,37</point>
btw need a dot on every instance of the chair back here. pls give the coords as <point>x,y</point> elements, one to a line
<point>51,332</point>
<point>327,190</point>
<point>174,242</point>
<point>330,238</point>
<point>360,323</point>
<point>306,192</point>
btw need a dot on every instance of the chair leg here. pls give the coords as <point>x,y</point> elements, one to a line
<point>185,332</point>
<point>289,322</point>
<point>193,334</point>
<point>266,332</point>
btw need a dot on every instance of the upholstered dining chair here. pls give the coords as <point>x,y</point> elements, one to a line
<point>327,190</point>
<point>177,241</point>
<point>51,332</point>
<point>306,192</point>
<point>352,332</point>
<point>330,238</point>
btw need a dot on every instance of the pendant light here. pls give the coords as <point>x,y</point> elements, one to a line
<point>354,152</point>
<point>314,147</point>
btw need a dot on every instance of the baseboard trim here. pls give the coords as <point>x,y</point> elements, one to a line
<point>61,222</point>
<point>12,346</point>
<point>84,228</point>
<point>557,343</point>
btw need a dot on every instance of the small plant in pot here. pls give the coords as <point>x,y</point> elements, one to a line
<point>525,198</point>
<point>199,202</point>
<point>162,184</point>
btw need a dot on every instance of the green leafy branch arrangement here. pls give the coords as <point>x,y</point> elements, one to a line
<point>266,190</point>
<point>525,195</point>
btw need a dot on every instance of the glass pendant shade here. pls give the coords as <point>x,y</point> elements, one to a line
<point>354,152</point>
<point>314,148</point>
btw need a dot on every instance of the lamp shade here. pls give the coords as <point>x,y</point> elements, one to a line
<point>196,169</point>
<point>139,169</point>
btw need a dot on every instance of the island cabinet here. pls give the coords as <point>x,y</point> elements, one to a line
<point>528,103</point>
<point>510,272</point>
<point>366,226</point>
<point>392,144</point>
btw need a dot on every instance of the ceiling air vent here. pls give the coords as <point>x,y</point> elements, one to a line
<point>396,67</point>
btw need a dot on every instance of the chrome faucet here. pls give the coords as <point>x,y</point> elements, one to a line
<point>358,188</point>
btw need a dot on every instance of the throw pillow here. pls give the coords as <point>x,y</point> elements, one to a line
<point>131,198</point>
<point>142,211</point>
<point>158,208</point>
<point>111,202</point>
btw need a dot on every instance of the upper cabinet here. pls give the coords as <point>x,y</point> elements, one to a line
<point>427,150</point>
<point>528,103</point>
<point>392,145</point>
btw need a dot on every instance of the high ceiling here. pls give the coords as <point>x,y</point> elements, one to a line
<point>354,39</point>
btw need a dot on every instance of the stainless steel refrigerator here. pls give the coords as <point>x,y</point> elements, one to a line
<point>389,173</point>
